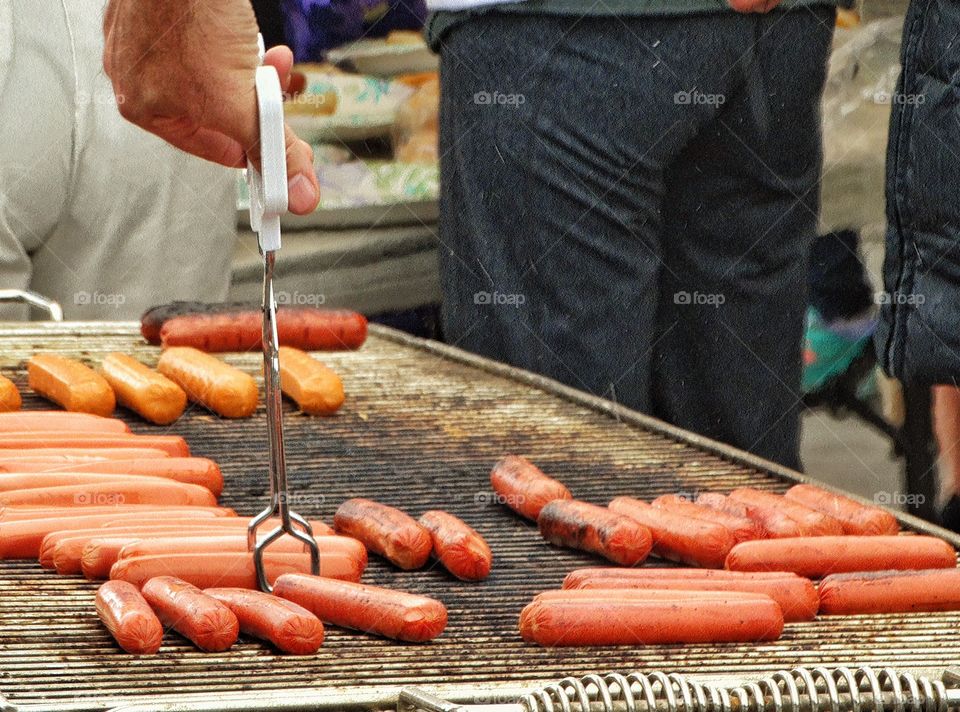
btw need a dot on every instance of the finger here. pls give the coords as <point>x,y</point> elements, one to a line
<point>203,142</point>
<point>302,184</point>
<point>281,59</point>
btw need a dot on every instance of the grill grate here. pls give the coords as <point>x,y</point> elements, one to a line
<point>420,429</point>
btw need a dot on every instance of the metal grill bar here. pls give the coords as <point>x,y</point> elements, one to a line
<point>420,429</point>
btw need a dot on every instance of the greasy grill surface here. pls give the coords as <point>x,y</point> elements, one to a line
<point>418,431</point>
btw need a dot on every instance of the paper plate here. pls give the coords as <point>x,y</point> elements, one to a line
<point>380,59</point>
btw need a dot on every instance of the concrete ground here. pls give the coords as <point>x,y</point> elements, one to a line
<point>851,455</point>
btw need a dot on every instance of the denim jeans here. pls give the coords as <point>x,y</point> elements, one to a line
<point>627,205</point>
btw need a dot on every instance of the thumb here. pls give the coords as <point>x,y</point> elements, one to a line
<point>281,59</point>
<point>302,185</point>
<point>303,188</point>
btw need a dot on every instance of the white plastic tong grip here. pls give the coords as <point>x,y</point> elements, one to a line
<point>268,187</point>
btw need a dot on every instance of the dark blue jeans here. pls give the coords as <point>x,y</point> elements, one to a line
<point>627,206</point>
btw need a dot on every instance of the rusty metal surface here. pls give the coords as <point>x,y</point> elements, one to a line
<point>420,429</point>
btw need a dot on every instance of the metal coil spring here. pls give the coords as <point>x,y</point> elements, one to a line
<point>802,689</point>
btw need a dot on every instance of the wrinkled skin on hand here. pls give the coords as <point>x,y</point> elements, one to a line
<point>185,72</point>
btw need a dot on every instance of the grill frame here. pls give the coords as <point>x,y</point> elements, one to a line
<point>374,696</point>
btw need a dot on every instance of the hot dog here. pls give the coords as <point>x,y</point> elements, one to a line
<point>190,470</point>
<point>289,627</point>
<point>640,594</point>
<point>215,541</point>
<point>742,528</point>
<point>63,550</point>
<point>49,543</point>
<point>690,541</point>
<point>203,620</point>
<point>241,524</point>
<point>316,389</point>
<point>237,327</point>
<point>381,611</point>
<point>144,391</point>
<point>153,319</point>
<point>207,380</point>
<point>579,525</point>
<point>70,384</point>
<point>626,619</point>
<point>855,518</point>
<point>16,514</point>
<point>854,594</point>
<point>523,487</point>
<point>11,481</point>
<point>765,505</point>
<point>722,503</point>
<point>95,443</point>
<point>11,459</point>
<point>95,554</point>
<point>386,531</point>
<point>795,595</point>
<point>59,421</point>
<point>819,556</point>
<point>231,569</point>
<point>9,396</point>
<point>129,618</point>
<point>461,550</point>
<point>130,490</point>
<point>21,538</point>
<point>775,524</point>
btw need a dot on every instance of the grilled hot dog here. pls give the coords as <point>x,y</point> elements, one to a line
<point>382,611</point>
<point>523,487</point>
<point>289,627</point>
<point>819,556</point>
<point>690,541</point>
<point>461,550</point>
<point>70,384</point>
<point>143,390</point>
<point>855,518</point>
<point>795,595</point>
<point>579,525</point>
<point>129,618</point>
<point>385,531</point>
<point>203,620</point>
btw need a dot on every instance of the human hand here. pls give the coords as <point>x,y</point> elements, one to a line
<point>185,72</point>
<point>753,5</point>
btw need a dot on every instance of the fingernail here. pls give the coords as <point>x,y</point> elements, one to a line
<point>302,193</point>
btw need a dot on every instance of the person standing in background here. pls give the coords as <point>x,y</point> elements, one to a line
<point>95,213</point>
<point>629,193</point>
<point>918,341</point>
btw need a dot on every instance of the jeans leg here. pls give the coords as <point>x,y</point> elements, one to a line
<point>740,215</point>
<point>552,161</point>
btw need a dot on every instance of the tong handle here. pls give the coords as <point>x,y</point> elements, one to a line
<point>268,201</point>
<point>268,186</point>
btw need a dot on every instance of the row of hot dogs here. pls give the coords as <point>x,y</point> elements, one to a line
<point>152,523</point>
<point>754,551</point>
<point>239,327</point>
<point>183,373</point>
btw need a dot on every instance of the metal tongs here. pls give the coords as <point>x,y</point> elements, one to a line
<point>268,201</point>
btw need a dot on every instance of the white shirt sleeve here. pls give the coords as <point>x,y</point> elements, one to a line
<point>36,132</point>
